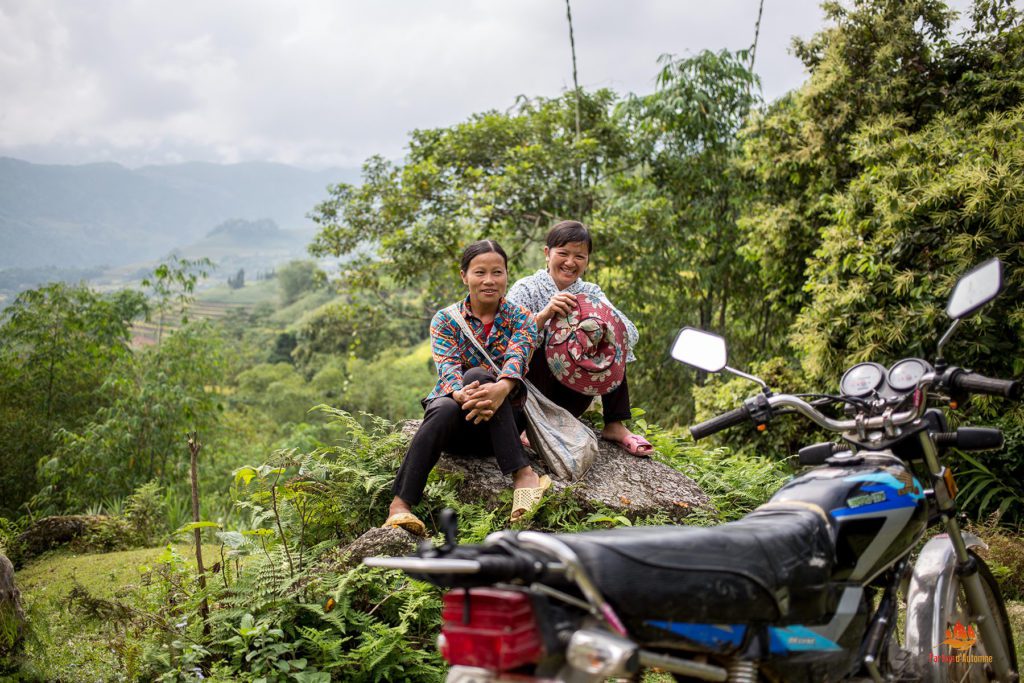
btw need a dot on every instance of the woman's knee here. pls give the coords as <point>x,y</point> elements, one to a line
<point>442,408</point>
<point>478,374</point>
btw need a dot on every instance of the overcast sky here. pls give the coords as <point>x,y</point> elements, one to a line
<point>328,82</point>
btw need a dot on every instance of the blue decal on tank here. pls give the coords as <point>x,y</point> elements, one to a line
<point>895,494</point>
<point>714,636</point>
<point>787,639</point>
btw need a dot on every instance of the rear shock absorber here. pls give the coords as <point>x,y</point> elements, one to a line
<point>742,671</point>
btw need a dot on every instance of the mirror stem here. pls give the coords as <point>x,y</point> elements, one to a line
<point>757,380</point>
<point>946,337</point>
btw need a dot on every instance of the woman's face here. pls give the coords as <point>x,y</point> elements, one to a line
<point>486,278</point>
<point>567,262</point>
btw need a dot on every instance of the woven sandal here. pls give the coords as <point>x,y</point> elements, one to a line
<point>407,521</point>
<point>527,500</point>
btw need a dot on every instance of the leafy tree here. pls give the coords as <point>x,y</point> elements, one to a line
<point>172,285</point>
<point>668,232</point>
<point>391,386</point>
<point>505,176</point>
<point>295,279</point>
<point>278,389</point>
<point>57,345</point>
<point>353,328</point>
<point>879,63</point>
<point>237,281</point>
<point>137,436</point>
<point>893,170</point>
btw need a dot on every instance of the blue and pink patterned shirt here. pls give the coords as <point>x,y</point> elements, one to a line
<point>509,343</point>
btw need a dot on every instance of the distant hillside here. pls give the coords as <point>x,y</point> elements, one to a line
<point>255,246</point>
<point>106,214</point>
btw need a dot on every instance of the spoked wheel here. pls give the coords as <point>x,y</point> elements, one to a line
<point>958,651</point>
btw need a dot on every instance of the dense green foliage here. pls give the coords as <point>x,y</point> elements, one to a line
<point>57,346</point>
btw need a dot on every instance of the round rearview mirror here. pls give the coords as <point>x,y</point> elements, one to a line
<point>975,289</point>
<point>700,349</point>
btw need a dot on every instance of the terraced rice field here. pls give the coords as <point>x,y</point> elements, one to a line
<point>145,333</point>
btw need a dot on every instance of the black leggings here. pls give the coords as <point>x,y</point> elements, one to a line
<point>445,428</point>
<point>614,404</point>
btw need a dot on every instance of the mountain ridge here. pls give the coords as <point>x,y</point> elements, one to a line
<point>104,213</point>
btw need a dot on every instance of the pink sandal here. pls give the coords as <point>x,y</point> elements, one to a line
<point>635,445</point>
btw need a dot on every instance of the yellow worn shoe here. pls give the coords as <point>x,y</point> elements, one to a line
<point>407,521</point>
<point>527,500</point>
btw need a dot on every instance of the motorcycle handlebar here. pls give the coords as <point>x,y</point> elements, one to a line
<point>954,378</point>
<point>719,422</point>
<point>466,567</point>
<point>979,384</point>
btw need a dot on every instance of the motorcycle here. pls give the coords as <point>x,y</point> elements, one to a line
<point>807,587</point>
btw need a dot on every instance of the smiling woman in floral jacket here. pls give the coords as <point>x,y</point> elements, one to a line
<point>552,293</point>
<point>472,410</point>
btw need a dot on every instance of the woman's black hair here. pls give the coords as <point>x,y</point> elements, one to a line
<point>569,231</point>
<point>481,247</point>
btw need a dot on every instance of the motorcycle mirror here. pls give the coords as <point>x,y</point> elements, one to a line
<point>975,288</point>
<point>700,349</point>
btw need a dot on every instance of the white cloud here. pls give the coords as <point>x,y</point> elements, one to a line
<point>324,83</point>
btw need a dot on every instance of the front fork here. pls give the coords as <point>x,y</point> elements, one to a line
<point>966,567</point>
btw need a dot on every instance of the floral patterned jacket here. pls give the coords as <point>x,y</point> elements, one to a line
<point>510,342</point>
<point>534,291</point>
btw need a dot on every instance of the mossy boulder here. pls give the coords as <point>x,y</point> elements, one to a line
<point>630,486</point>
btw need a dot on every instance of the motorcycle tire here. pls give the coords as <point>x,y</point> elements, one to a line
<point>959,661</point>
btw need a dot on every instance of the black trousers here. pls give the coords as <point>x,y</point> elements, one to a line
<point>614,404</point>
<point>445,428</point>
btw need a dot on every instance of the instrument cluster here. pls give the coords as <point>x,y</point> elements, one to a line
<point>871,379</point>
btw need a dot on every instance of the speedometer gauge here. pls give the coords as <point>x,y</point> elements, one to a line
<point>862,379</point>
<point>905,374</point>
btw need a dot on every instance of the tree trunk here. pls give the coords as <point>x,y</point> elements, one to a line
<point>194,446</point>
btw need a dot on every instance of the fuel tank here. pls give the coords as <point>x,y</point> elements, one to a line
<point>876,507</point>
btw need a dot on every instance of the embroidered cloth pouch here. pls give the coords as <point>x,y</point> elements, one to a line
<point>567,446</point>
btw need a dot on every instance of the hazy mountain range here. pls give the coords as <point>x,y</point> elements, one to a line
<point>108,215</point>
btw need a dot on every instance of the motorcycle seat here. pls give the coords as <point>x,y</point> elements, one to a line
<point>771,566</point>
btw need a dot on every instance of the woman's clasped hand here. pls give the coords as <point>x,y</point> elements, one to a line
<point>480,401</point>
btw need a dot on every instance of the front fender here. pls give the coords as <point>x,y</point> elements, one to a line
<point>931,597</point>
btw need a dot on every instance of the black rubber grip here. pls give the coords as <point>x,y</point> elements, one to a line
<point>971,438</point>
<point>499,568</point>
<point>979,384</point>
<point>495,567</point>
<point>720,422</point>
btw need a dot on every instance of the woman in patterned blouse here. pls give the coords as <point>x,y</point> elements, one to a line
<point>470,410</point>
<point>551,292</point>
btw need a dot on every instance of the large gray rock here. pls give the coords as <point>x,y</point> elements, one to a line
<point>11,612</point>
<point>52,532</point>
<point>387,542</point>
<point>631,486</point>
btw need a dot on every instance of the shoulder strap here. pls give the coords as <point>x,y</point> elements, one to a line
<point>456,315</point>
